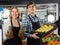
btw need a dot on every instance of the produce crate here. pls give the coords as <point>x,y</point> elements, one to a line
<point>43,34</point>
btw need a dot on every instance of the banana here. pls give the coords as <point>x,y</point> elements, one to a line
<point>45,28</point>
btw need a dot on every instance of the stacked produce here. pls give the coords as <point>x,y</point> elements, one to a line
<point>45,28</point>
<point>53,42</point>
<point>58,39</point>
<point>50,37</point>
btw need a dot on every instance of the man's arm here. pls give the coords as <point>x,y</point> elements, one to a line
<point>26,28</point>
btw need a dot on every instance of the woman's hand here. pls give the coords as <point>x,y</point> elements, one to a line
<point>21,34</point>
<point>35,36</point>
<point>9,34</point>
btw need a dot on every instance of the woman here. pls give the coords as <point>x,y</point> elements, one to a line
<point>15,26</point>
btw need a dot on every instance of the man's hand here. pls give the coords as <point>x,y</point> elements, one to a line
<point>35,36</point>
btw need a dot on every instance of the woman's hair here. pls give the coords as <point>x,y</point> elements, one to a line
<point>10,14</point>
<point>17,10</point>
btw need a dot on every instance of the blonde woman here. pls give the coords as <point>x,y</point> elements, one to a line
<point>11,35</point>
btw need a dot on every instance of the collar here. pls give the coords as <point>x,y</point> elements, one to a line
<point>32,16</point>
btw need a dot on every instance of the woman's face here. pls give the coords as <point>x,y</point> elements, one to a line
<point>14,13</point>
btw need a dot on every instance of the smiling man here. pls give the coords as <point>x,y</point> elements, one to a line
<point>31,23</point>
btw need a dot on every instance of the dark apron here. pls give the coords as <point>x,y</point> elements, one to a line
<point>32,41</point>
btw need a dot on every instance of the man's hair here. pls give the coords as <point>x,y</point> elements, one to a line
<point>30,3</point>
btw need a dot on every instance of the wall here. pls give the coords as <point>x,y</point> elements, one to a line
<point>18,2</point>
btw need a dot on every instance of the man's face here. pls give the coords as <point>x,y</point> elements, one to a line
<point>31,9</point>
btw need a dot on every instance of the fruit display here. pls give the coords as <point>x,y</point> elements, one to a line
<point>50,37</point>
<point>58,39</point>
<point>53,42</point>
<point>45,28</point>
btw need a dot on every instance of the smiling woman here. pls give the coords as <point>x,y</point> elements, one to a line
<point>13,26</point>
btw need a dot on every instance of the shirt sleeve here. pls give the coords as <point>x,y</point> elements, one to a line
<point>26,28</point>
<point>5,28</point>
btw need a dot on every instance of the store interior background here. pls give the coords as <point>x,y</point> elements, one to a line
<point>42,8</point>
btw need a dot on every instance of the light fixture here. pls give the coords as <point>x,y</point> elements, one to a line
<point>51,18</point>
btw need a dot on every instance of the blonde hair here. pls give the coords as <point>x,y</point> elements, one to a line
<point>14,7</point>
<point>10,14</point>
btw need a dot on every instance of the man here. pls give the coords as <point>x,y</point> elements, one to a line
<point>30,24</point>
<point>58,25</point>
